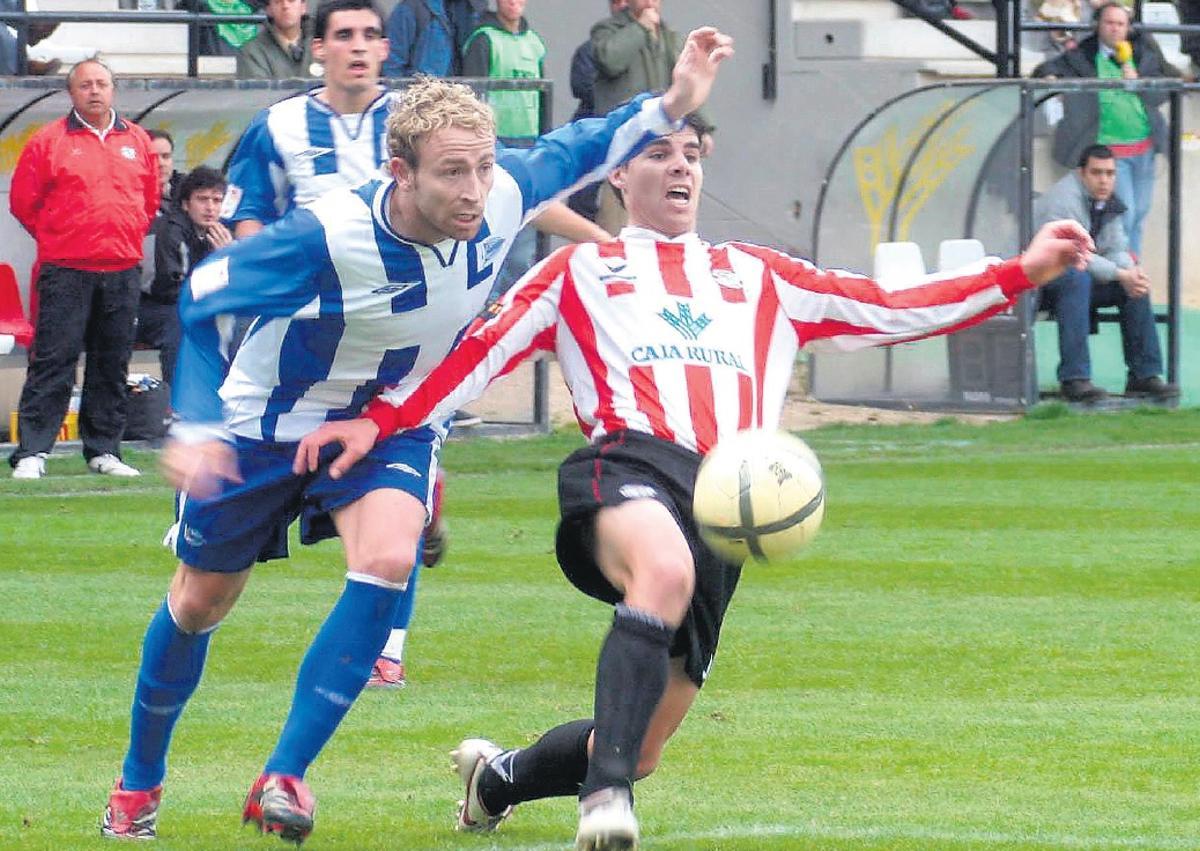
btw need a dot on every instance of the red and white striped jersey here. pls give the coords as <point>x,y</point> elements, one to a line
<point>685,340</point>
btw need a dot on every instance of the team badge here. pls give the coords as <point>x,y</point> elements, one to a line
<point>727,278</point>
<point>229,204</point>
<point>128,152</point>
<point>491,247</point>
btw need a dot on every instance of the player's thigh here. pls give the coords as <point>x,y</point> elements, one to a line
<point>672,709</point>
<point>200,599</point>
<point>639,546</point>
<point>380,531</point>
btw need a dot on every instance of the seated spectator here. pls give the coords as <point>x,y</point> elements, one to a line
<point>283,49</point>
<point>222,39</point>
<point>428,36</point>
<point>1110,280</point>
<point>168,178</point>
<point>184,236</point>
<point>10,56</point>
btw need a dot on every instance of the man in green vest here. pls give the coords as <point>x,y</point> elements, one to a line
<point>504,47</point>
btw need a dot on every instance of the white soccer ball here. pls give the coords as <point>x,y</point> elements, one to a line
<point>759,494</point>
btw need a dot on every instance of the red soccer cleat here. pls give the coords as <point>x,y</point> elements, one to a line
<point>282,804</point>
<point>131,814</point>
<point>435,532</point>
<point>387,673</point>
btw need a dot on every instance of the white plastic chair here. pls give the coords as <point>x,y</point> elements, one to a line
<point>956,253</point>
<point>898,264</point>
<point>1159,12</point>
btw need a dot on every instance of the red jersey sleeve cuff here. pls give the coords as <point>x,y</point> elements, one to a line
<point>385,416</point>
<point>1011,278</point>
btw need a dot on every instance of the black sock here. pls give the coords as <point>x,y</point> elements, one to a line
<point>630,680</point>
<point>552,766</point>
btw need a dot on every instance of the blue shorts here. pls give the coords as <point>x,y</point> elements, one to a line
<point>249,522</point>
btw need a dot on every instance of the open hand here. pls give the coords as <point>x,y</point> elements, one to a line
<point>696,70</point>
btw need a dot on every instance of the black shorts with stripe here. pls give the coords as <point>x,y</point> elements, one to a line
<point>631,465</point>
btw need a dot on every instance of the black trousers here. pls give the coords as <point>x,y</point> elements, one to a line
<point>79,312</point>
<point>158,327</point>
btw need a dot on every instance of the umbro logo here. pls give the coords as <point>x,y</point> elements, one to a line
<point>313,153</point>
<point>392,289</point>
<point>682,320</point>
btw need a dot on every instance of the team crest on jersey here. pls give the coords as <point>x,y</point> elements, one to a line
<point>230,201</point>
<point>690,327</point>
<point>490,247</point>
<point>128,152</point>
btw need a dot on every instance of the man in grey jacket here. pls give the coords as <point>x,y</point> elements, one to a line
<point>283,49</point>
<point>1111,279</point>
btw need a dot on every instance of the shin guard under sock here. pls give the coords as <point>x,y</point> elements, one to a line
<point>631,677</point>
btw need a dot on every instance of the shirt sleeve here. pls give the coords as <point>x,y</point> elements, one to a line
<point>477,56</point>
<point>27,189</point>
<point>583,151</point>
<point>525,323</point>
<point>845,311</point>
<point>257,180</point>
<point>274,273</point>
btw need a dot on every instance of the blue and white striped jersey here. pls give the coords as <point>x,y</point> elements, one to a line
<point>346,306</point>
<point>298,149</point>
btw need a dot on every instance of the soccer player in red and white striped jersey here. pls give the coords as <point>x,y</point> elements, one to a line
<point>668,344</point>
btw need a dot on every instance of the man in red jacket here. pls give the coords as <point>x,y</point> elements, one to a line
<point>86,188</point>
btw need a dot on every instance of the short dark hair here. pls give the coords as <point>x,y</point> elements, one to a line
<point>328,8</point>
<point>1113,4</point>
<point>201,177</point>
<point>690,122</point>
<point>1095,152</point>
<point>161,134</point>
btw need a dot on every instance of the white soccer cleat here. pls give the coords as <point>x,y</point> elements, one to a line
<point>470,758</point>
<point>111,465</point>
<point>607,822</point>
<point>30,467</point>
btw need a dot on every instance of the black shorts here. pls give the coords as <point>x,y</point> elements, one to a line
<point>631,465</point>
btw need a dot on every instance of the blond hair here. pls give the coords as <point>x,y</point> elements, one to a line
<point>429,104</point>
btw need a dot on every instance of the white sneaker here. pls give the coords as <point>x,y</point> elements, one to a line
<point>111,465</point>
<point>469,759</point>
<point>606,822</point>
<point>30,467</point>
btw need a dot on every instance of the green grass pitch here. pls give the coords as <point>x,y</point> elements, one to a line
<point>994,643</point>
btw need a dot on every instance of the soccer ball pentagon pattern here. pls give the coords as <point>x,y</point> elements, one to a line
<point>759,494</point>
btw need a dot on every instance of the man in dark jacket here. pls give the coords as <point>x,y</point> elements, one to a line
<point>1128,123</point>
<point>86,188</point>
<point>428,36</point>
<point>183,237</point>
<point>1111,279</point>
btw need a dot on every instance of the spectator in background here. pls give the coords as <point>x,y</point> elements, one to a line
<point>634,51</point>
<point>223,39</point>
<point>504,46</point>
<point>1189,13</point>
<point>583,81</point>
<point>163,145</point>
<point>10,55</point>
<point>428,36</point>
<point>1129,123</point>
<point>283,49</point>
<point>86,187</point>
<point>1111,279</point>
<point>185,236</point>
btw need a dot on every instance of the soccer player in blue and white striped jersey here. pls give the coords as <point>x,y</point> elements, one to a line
<point>363,289</point>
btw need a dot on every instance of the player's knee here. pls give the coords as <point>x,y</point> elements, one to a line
<point>672,575</point>
<point>392,564</point>
<point>196,607</point>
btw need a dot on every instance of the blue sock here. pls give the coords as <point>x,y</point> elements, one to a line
<point>172,661</point>
<point>408,597</point>
<point>333,672</point>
